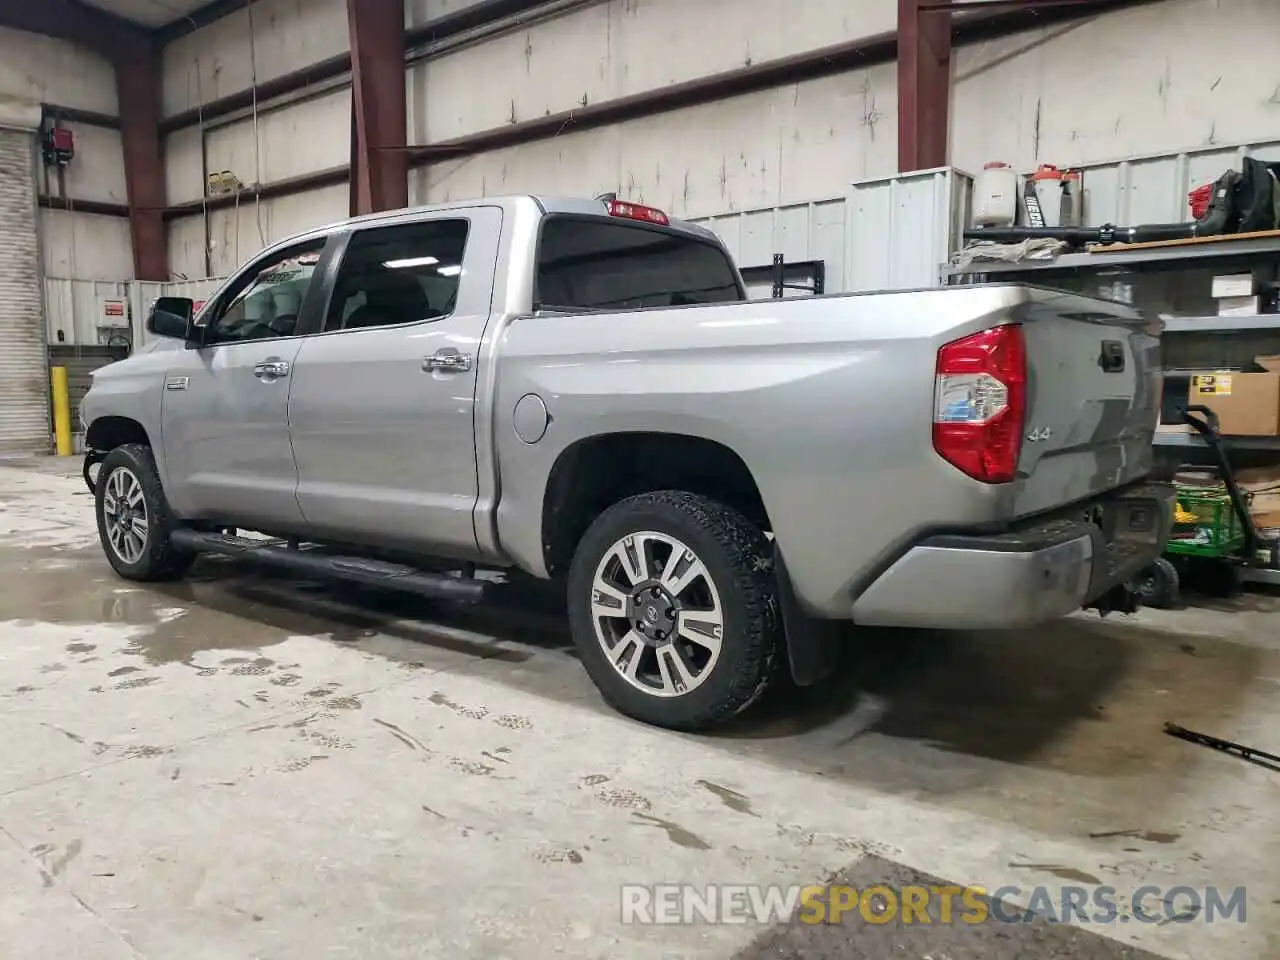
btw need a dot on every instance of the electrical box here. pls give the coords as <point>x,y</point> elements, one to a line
<point>113,312</point>
<point>59,146</point>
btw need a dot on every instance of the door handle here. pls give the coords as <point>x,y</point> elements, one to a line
<point>271,369</point>
<point>447,360</point>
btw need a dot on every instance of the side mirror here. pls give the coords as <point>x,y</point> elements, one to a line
<point>171,317</point>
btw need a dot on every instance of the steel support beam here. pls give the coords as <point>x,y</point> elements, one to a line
<point>924,85</point>
<point>379,129</point>
<point>138,85</point>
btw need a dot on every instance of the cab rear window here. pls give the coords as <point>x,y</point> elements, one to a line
<point>590,263</point>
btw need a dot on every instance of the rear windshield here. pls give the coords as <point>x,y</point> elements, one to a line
<point>597,264</point>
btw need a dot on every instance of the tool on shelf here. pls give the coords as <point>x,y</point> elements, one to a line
<point>1242,201</point>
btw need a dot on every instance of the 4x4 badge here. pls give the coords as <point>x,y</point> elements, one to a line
<point>1038,434</point>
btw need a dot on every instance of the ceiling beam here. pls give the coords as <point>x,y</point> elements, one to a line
<point>197,19</point>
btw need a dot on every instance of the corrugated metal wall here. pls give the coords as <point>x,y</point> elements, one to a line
<point>802,231</point>
<point>73,309</point>
<point>1153,189</point>
<point>890,233</point>
<point>901,229</point>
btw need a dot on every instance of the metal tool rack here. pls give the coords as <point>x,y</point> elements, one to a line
<point>1226,255</point>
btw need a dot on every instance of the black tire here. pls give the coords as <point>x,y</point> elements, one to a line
<point>1159,585</point>
<point>737,558</point>
<point>159,560</point>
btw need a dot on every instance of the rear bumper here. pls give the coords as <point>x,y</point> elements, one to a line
<point>1045,569</point>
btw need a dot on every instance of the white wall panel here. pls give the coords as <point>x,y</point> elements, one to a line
<point>617,48</point>
<point>236,234</point>
<point>418,12</point>
<point>302,138</point>
<point>183,167</point>
<point>85,246</point>
<point>45,70</point>
<point>761,150</point>
<point>220,59</point>
<point>1164,77</point>
<point>186,247</point>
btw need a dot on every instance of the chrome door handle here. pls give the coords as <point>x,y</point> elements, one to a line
<point>271,369</point>
<point>448,360</point>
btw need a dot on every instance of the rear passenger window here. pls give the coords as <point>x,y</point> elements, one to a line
<point>599,264</point>
<point>401,274</point>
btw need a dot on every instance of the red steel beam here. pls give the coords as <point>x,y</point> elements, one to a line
<point>138,80</point>
<point>924,85</point>
<point>379,129</point>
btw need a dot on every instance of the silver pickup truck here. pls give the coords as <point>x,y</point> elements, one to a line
<point>579,389</point>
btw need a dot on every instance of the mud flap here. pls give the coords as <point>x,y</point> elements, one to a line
<point>91,459</point>
<point>813,644</point>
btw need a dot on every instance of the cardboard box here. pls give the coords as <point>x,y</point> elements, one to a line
<point>1233,285</point>
<point>1239,306</point>
<point>1247,404</point>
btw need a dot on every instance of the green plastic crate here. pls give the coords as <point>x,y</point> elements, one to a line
<point>1216,531</point>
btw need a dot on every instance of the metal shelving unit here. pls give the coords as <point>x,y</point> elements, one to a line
<point>1265,444</point>
<point>1225,254</point>
<point>1263,321</point>
<point>1125,259</point>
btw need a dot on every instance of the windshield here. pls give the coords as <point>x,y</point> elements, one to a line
<point>590,263</point>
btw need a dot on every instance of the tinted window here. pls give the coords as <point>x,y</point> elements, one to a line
<point>268,303</point>
<point>401,274</point>
<point>603,264</point>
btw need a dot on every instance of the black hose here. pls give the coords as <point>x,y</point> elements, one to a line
<point>1082,236</point>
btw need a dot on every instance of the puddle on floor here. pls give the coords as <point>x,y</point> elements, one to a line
<point>224,605</point>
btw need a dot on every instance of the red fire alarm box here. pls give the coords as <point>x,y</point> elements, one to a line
<point>59,146</point>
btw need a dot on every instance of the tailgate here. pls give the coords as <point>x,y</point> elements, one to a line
<point>1093,398</point>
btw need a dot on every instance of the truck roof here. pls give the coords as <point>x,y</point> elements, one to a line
<point>509,203</point>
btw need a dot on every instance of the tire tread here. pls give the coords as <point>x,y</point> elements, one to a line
<point>162,561</point>
<point>757,638</point>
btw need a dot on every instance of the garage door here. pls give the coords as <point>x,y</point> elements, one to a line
<point>24,382</point>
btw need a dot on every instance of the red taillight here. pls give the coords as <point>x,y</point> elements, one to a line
<point>980,395</point>
<point>637,211</point>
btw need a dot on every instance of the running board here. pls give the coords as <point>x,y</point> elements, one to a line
<point>316,562</point>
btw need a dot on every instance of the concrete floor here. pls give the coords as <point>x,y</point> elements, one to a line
<point>237,767</point>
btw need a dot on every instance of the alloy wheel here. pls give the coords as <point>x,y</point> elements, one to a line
<point>124,514</point>
<point>657,613</point>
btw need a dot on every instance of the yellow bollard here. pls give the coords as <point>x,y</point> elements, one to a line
<point>61,410</point>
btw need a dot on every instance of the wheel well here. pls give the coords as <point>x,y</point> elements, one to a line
<point>593,474</point>
<point>107,433</point>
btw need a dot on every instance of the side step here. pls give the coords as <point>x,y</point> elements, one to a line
<point>316,562</point>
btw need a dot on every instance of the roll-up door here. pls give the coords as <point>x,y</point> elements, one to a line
<point>24,381</point>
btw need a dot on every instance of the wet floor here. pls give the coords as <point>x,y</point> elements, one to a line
<point>240,765</point>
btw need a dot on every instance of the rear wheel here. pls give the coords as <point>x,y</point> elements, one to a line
<point>673,609</point>
<point>134,521</point>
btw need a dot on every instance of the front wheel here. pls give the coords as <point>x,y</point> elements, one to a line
<point>134,522</point>
<point>673,608</point>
